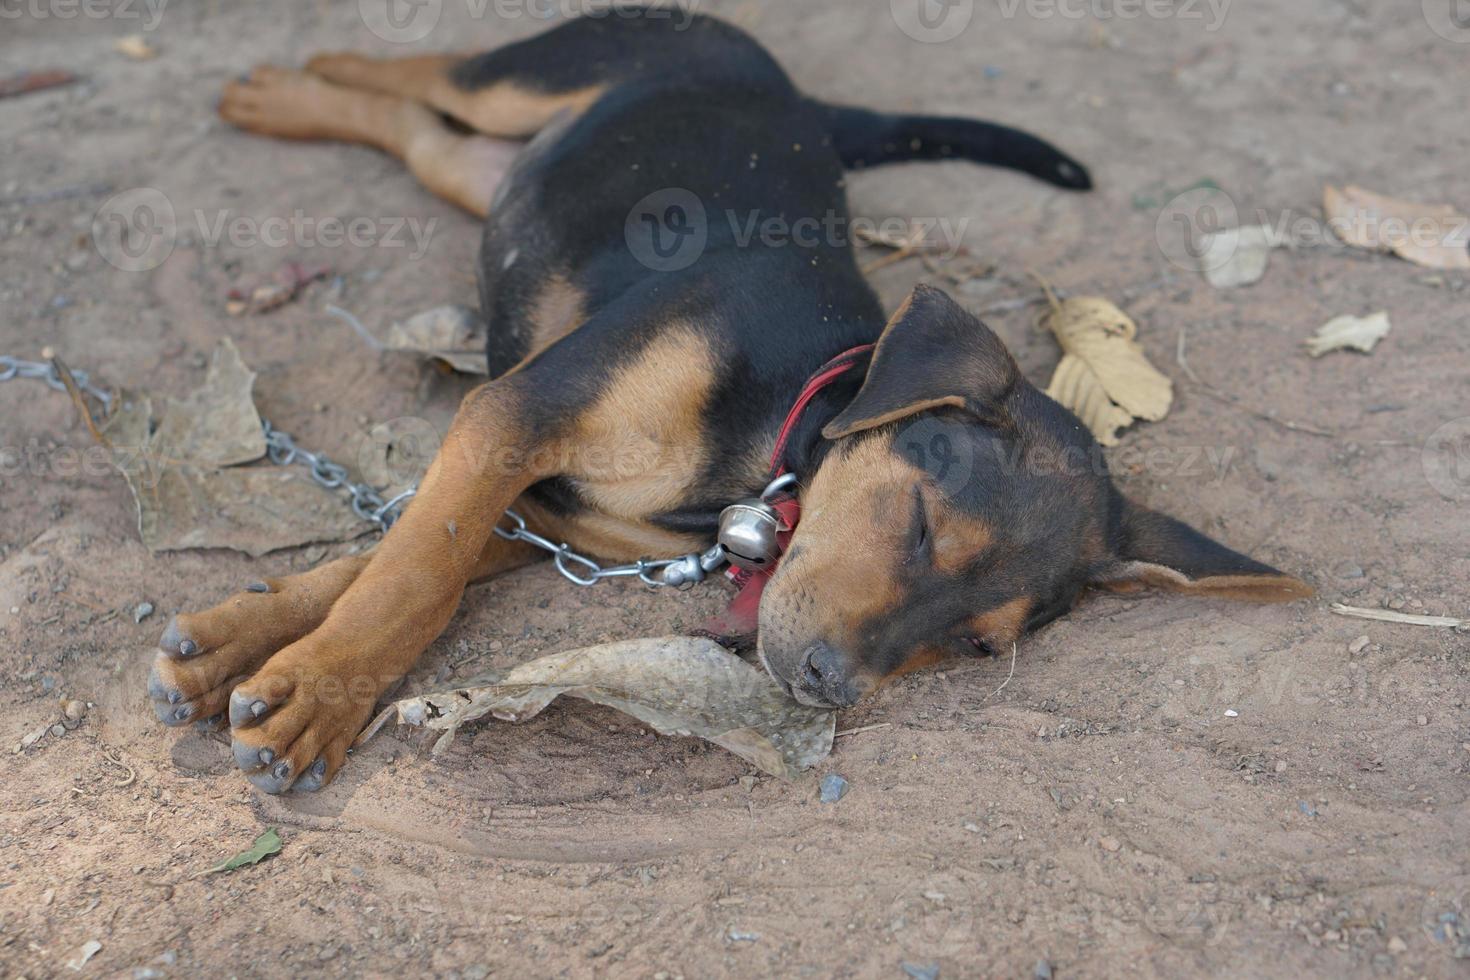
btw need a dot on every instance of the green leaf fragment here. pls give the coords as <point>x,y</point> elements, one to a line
<point>265,845</point>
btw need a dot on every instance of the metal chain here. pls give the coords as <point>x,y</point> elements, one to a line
<point>14,367</point>
<point>366,502</point>
<point>369,505</point>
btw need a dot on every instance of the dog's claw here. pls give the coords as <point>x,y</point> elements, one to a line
<point>311,780</point>
<point>273,781</point>
<point>174,643</point>
<point>244,709</point>
<point>250,757</point>
<point>259,587</point>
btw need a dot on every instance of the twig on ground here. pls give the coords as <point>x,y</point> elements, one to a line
<point>63,372</point>
<point>865,728</point>
<point>1012,674</point>
<point>1231,401</point>
<point>356,325</point>
<point>1389,616</point>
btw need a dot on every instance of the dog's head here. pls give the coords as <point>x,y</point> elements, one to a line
<point>957,508</point>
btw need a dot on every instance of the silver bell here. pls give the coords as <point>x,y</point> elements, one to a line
<point>748,532</point>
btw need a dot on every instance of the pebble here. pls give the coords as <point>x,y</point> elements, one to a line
<point>1109,844</point>
<point>1397,945</point>
<point>1358,646</point>
<point>142,611</point>
<point>1042,971</point>
<point>1422,720</point>
<point>834,787</point>
<point>921,971</point>
<point>1231,713</point>
<point>74,710</point>
<point>1349,570</point>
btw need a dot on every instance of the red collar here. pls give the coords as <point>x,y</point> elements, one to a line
<point>739,623</point>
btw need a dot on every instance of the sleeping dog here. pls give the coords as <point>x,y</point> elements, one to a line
<point>638,390</point>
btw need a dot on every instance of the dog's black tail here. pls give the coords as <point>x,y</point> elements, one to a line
<point>869,139</point>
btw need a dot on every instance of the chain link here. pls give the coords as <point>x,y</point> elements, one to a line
<point>369,505</point>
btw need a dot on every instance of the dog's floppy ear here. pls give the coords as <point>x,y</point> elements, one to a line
<point>1152,549</point>
<point>932,354</point>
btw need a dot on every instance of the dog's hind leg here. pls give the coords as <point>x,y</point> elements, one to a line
<point>510,108</point>
<point>464,169</point>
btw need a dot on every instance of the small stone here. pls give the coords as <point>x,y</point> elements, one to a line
<point>1042,971</point>
<point>834,788</point>
<point>1397,945</point>
<point>747,783</point>
<point>1358,646</point>
<point>1231,713</point>
<point>1109,844</point>
<point>15,610</point>
<point>327,953</point>
<point>1280,767</point>
<point>921,971</point>
<point>74,710</point>
<point>1422,720</point>
<point>1349,570</point>
<point>1395,603</point>
<point>142,611</point>
<point>58,730</point>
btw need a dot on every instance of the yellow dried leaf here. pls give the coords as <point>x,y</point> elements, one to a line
<point>1349,332</point>
<point>1436,236</point>
<point>1104,377</point>
<point>135,47</point>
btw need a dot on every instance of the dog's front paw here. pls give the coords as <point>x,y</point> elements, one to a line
<point>294,721</point>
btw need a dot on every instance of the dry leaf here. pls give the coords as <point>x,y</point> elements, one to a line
<point>1103,375</point>
<point>1349,332</point>
<point>189,490</point>
<point>455,335</point>
<point>84,955</point>
<point>135,47</point>
<point>679,685</point>
<point>1238,256</point>
<point>1432,235</point>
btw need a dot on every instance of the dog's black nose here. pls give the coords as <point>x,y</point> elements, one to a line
<point>825,678</point>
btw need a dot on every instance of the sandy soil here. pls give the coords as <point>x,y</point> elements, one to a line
<point>1102,813</point>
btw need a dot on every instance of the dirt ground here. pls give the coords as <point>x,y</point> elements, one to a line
<point>1102,815</point>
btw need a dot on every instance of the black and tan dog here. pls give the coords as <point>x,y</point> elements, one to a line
<point>631,403</point>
